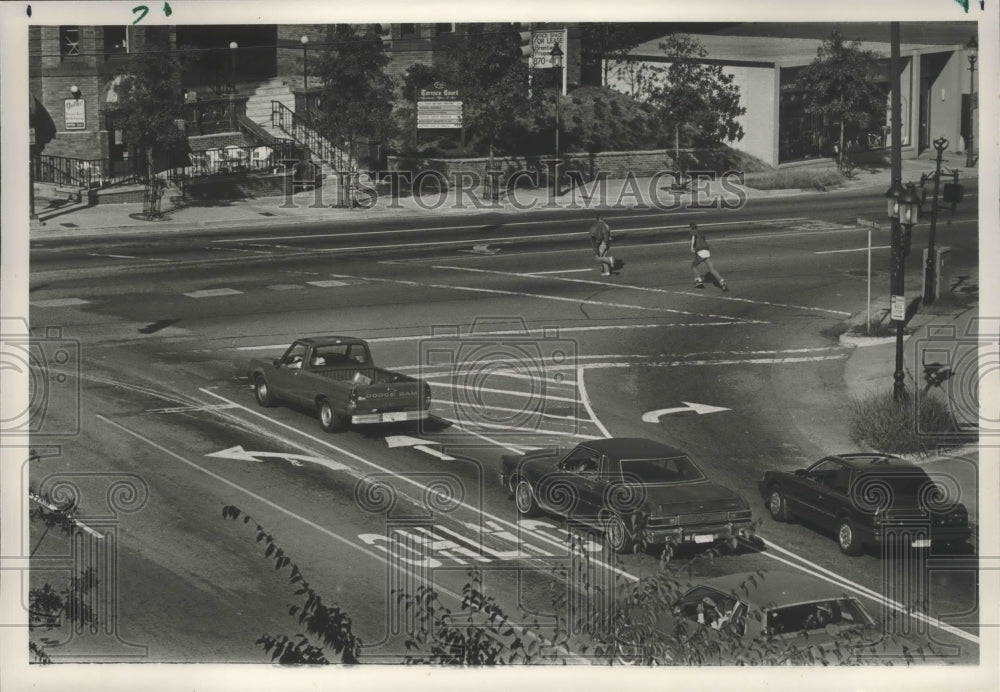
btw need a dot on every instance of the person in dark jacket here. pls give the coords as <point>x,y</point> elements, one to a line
<point>600,239</point>
<point>702,256</point>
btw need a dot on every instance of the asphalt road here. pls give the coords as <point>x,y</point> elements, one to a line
<point>165,325</point>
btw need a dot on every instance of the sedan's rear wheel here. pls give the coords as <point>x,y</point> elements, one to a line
<point>777,505</point>
<point>618,535</point>
<point>524,500</point>
<point>847,538</point>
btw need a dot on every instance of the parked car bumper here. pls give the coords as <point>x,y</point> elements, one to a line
<point>918,536</point>
<point>697,534</point>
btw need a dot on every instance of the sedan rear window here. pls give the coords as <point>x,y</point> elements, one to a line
<point>678,469</point>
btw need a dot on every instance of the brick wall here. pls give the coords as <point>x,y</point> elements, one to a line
<point>217,141</point>
<point>289,54</point>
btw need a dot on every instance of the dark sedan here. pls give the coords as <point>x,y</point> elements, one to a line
<point>866,500</point>
<point>639,492</point>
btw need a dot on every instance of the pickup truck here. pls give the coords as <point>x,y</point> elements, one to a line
<point>335,376</point>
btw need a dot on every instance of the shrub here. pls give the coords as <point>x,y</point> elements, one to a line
<point>911,425</point>
<point>803,178</point>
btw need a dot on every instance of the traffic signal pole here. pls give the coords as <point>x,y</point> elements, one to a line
<point>898,388</point>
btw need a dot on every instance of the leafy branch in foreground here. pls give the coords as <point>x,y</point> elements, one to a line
<point>329,623</point>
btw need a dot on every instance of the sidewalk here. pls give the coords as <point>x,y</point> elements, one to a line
<point>75,220</point>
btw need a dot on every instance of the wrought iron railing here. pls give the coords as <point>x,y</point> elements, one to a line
<point>302,130</point>
<point>85,173</point>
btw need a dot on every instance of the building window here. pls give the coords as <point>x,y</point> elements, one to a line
<point>69,41</point>
<point>444,28</point>
<point>115,40</point>
<point>408,31</point>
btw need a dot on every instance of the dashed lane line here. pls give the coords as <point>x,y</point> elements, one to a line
<point>213,293</point>
<point>633,287</point>
<point>59,302</point>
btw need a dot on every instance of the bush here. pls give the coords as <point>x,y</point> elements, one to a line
<point>803,178</point>
<point>912,425</point>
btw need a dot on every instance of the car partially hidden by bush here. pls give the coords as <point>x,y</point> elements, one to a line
<point>638,492</point>
<point>763,617</point>
<point>868,500</point>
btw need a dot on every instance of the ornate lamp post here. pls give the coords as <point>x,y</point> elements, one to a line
<point>557,61</point>
<point>305,61</point>
<point>930,266</point>
<point>971,48</point>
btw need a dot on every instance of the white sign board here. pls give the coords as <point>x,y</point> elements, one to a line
<point>76,114</point>
<point>541,47</point>
<point>898,308</point>
<point>439,108</point>
<point>865,223</point>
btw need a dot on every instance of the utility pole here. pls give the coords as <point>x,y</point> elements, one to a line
<point>898,387</point>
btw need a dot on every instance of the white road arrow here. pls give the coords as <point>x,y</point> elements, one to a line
<point>654,416</point>
<point>484,249</point>
<point>240,454</point>
<point>416,443</point>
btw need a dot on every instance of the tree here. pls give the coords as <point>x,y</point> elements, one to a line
<point>357,95</point>
<point>698,103</point>
<point>842,84</point>
<point>488,69</point>
<point>50,607</point>
<point>148,111</point>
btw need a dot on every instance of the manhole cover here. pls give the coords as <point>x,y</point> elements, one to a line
<point>265,213</point>
<point>69,225</point>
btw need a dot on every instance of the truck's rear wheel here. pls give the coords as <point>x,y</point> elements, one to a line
<point>330,420</point>
<point>262,392</point>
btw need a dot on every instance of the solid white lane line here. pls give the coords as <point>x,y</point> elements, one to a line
<point>650,289</point>
<point>844,582</point>
<point>59,302</point>
<point>854,249</point>
<point>512,332</point>
<point>511,392</point>
<point>585,398</point>
<point>542,296</point>
<point>478,511</point>
<point>559,271</point>
<point>350,235</point>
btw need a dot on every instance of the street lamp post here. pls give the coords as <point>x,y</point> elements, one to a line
<point>971,47</point>
<point>894,195</point>
<point>557,60</point>
<point>305,61</point>
<point>233,45</point>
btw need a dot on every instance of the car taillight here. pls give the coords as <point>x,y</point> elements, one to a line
<point>739,514</point>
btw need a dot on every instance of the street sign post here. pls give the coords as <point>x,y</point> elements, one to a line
<point>898,308</point>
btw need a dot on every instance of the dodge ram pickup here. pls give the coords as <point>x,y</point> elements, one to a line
<point>335,376</point>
